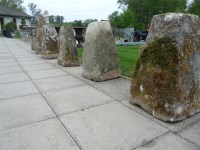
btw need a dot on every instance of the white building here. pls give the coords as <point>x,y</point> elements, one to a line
<point>8,15</point>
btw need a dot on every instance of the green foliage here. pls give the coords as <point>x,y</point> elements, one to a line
<point>88,21</point>
<point>23,23</point>
<point>115,19</point>
<point>17,34</point>
<point>11,26</point>
<point>122,20</point>
<point>34,10</point>
<point>75,23</point>
<point>194,7</point>
<point>127,58</point>
<point>13,4</point>
<point>1,34</point>
<point>56,19</point>
<point>144,10</point>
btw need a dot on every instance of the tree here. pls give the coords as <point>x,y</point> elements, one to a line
<point>52,19</point>
<point>122,20</point>
<point>114,19</point>
<point>77,23</point>
<point>88,21</point>
<point>194,7</point>
<point>34,10</point>
<point>144,10</point>
<point>59,19</point>
<point>23,23</point>
<point>13,4</point>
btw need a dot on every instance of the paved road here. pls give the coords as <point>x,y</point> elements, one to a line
<point>44,106</point>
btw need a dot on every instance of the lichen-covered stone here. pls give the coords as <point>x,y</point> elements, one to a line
<point>38,40</point>
<point>166,80</point>
<point>34,31</point>
<point>100,58</point>
<point>68,55</point>
<point>40,21</point>
<point>50,45</point>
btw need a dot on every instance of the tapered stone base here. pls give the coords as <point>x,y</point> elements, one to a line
<point>166,80</point>
<point>69,63</point>
<point>95,76</point>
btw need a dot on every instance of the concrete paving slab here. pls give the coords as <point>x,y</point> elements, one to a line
<point>19,111</point>
<point>119,88</point>
<point>6,55</point>
<point>192,133</point>
<point>4,51</point>
<point>73,70</point>
<point>56,83</point>
<point>46,135</point>
<point>32,62</point>
<point>111,127</point>
<point>171,126</point>
<point>75,99</point>
<point>23,54</point>
<point>10,60</point>
<point>8,64</point>
<point>33,58</point>
<point>80,77</point>
<point>53,61</point>
<point>17,89</point>
<point>40,74</point>
<point>13,77</point>
<point>10,70</point>
<point>169,141</point>
<point>38,67</point>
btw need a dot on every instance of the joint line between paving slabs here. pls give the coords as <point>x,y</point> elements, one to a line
<point>45,99</point>
<point>145,116</point>
<point>26,124</point>
<point>150,141</point>
<point>193,143</point>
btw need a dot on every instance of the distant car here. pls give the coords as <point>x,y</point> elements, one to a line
<point>140,35</point>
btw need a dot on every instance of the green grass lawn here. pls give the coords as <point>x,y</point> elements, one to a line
<point>127,58</point>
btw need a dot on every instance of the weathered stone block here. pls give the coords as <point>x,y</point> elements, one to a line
<point>68,55</point>
<point>38,40</point>
<point>50,45</point>
<point>100,58</point>
<point>166,81</point>
<point>34,31</point>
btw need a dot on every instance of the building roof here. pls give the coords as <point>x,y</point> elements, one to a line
<point>12,13</point>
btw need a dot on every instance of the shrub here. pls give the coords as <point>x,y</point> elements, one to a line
<point>23,23</point>
<point>17,34</point>
<point>11,26</point>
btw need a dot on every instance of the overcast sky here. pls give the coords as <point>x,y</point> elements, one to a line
<point>76,9</point>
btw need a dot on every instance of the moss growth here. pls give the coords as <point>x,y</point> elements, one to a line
<point>69,56</point>
<point>157,73</point>
<point>167,78</point>
<point>52,47</point>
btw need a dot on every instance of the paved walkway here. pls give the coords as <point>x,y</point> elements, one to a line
<point>44,106</point>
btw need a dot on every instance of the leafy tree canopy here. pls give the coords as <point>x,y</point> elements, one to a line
<point>194,7</point>
<point>140,12</point>
<point>34,10</point>
<point>13,4</point>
